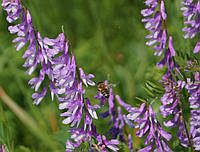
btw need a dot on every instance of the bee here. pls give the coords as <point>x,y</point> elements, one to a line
<point>103,89</point>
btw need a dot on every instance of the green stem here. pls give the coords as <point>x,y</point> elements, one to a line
<point>185,126</point>
<point>28,121</point>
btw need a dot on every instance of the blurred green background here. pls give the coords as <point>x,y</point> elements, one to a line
<point>107,38</point>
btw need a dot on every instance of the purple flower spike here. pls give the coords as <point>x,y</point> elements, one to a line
<point>154,24</point>
<point>171,106</point>
<point>194,100</point>
<point>146,121</point>
<point>191,14</point>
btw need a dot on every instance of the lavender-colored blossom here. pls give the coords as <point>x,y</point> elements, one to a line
<point>192,20</point>
<point>2,148</point>
<point>145,120</point>
<point>103,144</point>
<point>100,97</point>
<point>39,96</point>
<point>13,8</point>
<point>154,22</point>
<point>42,54</point>
<point>86,79</point>
<point>168,57</point>
<point>80,135</point>
<point>171,105</point>
<point>194,100</point>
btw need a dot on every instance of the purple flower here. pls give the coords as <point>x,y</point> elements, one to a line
<point>168,57</point>
<point>74,107</point>
<point>103,144</point>
<point>39,96</point>
<point>2,148</point>
<point>146,121</point>
<point>194,100</point>
<point>86,79</point>
<point>117,118</point>
<point>171,106</point>
<point>154,24</point>
<point>13,8</point>
<point>44,53</point>
<point>191,11</point>
<point>91,108</point>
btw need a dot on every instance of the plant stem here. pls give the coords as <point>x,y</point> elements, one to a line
<point>28,121</point>
<point>185,126</point>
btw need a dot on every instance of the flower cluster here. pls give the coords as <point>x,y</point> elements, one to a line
<point>191,12</point>
<point>117,118</point>
<point>99,144</point>
<point>40,51</point>
<point>65,79</point>
<point>194,100</point>
<point>171,106</point>
<point>155,24</point>
<point>145,120</point>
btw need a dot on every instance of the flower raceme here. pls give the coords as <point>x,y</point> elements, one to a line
<point>65,79</point>
<point>154,20</point>
<point>194,100</point>
<point>191,12</point>
<point>146,122</point>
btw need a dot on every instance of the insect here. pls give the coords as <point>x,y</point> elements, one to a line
<point>103,89</point>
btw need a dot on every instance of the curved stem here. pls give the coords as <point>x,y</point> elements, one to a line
<point>28,121</point>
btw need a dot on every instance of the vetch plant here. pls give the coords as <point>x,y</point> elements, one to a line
<point>175,90</point>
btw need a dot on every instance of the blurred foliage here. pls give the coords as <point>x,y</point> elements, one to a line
<point>107,38</point>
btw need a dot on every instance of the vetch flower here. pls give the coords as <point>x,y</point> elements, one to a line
<point>103,144</point>
<point>146,121</point>
<point>117,118</point>
<point>194,100</point>
<point>191,12</point>
<point>171,106</point>
<point>13,8</point>
<point>86,79</point>
<point>154,24</point>
<point>39,96</point>
<point>169,53</point>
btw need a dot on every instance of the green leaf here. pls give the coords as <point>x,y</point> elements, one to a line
<point>141,99</point>
<point>173,75</point>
